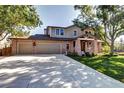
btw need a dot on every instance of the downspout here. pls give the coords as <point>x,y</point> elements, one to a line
<point>16,47</point>
<point>34,46</point>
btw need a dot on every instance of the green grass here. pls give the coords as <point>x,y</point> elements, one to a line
<point>111,66</point>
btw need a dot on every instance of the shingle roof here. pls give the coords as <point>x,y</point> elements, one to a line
<point>61,26</point>
<point>44,37</point>
<point>55,26</point>
<point>47,37</point>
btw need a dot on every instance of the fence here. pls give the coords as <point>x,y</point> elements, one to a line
<point>6,51</point>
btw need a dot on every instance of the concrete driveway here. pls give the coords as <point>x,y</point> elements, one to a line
<point>50,71</point>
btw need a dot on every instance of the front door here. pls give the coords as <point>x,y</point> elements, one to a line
<point>83,46</point>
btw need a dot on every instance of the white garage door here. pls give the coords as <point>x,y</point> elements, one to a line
<point>52,48</point>
<point>25,48</point>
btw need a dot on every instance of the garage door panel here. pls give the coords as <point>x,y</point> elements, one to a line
<point>47,48</point>
<point>25,48</point>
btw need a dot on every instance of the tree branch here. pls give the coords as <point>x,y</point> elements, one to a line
<point>118,33</point>
<point>4,36</point>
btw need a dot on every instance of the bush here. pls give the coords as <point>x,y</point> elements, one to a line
<point>108,55</point>
<point>106,49</point>
<point>89,55</point>
<point>72,54</point>
<point>93,54</point>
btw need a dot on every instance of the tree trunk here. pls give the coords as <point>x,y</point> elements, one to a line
<point>112,48</point>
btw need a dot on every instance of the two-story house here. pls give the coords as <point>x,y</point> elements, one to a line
<point>58,40</point>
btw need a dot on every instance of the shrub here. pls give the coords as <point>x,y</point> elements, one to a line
<point>72,54</point>
<point>108,55</point>
<point>88,54</point>
<point>93,54</point>
<point>106,49</point>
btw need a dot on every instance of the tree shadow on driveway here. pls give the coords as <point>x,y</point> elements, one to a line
<point>50,71</point>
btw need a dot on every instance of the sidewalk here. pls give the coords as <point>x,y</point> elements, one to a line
<point>2,57</point>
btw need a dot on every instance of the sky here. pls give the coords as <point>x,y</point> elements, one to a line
<point>55,15</point>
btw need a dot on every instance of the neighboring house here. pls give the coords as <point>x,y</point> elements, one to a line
<point>58,40</point>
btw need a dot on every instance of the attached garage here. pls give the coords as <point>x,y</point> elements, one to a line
<point>39,45</point>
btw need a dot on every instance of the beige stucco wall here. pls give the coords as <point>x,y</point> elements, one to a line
<point>16,43</point>
<point>68,32</point>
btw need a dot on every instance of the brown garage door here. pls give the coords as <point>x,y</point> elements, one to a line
<point>52,48</point>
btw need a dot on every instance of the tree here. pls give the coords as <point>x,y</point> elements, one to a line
<point>121,44</point>
<point>18,20</point>
<point>106,20</point>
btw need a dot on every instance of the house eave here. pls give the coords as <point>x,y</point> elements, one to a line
<point>52,39</point>
<point>89,39</point>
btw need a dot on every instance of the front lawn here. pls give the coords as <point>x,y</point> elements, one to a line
<point>111,66</point>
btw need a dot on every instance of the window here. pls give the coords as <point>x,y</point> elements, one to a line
<point>86,32</point>
<point>57,31</point>
<point>61,32</point>
<point>89,32</point>
<point>82,29</point>
<point>89,43</point>
<point>75,33</point>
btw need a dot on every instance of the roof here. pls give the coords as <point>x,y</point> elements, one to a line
<point>71,26</point>
<point>55,26</point>
<point>61,26</point>
<point>42,37</point>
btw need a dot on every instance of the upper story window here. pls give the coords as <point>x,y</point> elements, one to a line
<point>90,33</point>
<point>82,29</point>
<point>86,32</point>
<point>57,31</point>
<point>75,33</point>
<point>61,32</point>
